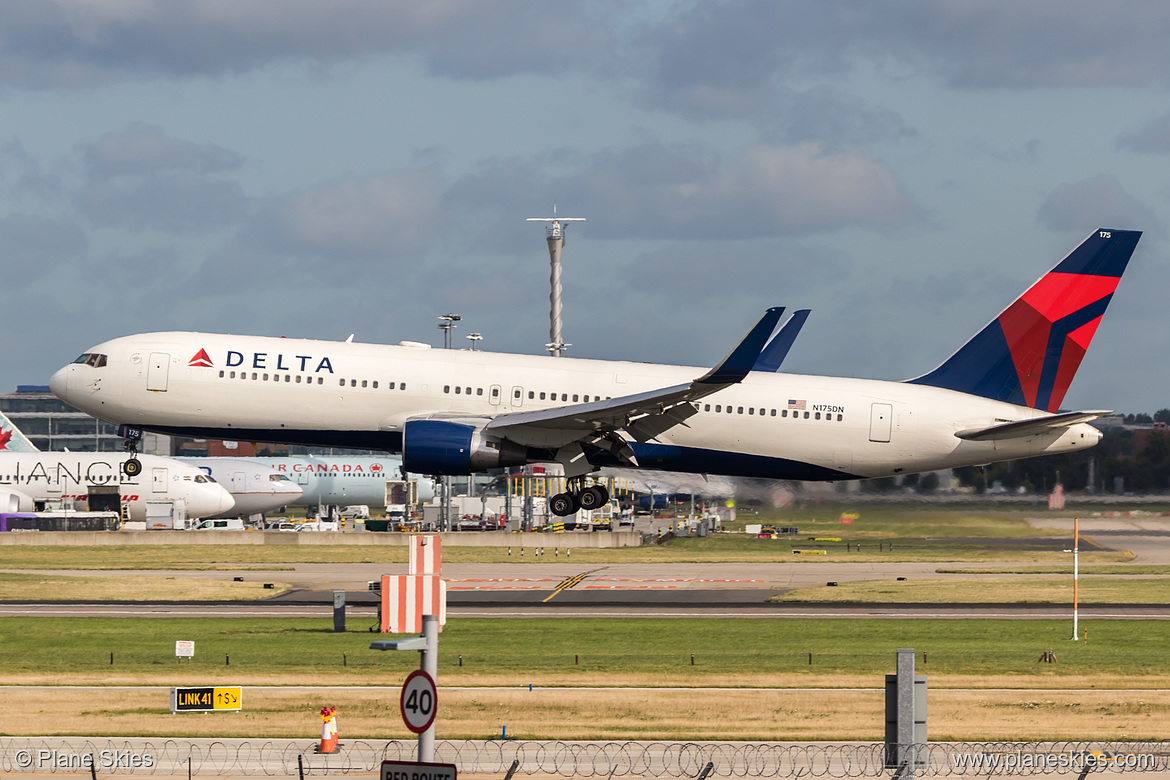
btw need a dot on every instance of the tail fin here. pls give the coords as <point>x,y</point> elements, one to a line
<point>1030,352</point>
<point>11,439</point>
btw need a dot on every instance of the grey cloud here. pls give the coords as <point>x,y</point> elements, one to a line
<point>726,272</point>
<point>26,176</point>
<point>33,245</point>
<point>73,43</point>
<point>732,57</point>
<point>765,190</point>
<point>1153,137</point>
<point>1092,203</point>
<point>381,217</point>
<point>172,203</point>
<point>143,149</point>
<point>693,192</point>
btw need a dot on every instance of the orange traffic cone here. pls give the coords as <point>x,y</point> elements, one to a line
<point>333,728</point>
<point>328,740</point>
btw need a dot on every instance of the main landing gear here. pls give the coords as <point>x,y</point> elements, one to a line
<point>578,496</point>
<point>133,466</point>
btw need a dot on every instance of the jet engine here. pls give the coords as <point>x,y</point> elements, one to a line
<point>12,501</point>
<point>446,447</point>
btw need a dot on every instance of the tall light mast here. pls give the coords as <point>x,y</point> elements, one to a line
<point>555,234</point>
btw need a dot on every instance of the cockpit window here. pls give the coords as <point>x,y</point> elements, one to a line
<point>92,359</point>
<point>203,478</point>
<point>278,478</point>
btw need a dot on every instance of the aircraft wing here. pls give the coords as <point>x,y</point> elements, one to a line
<point>1033,427</point>
<point>642,415</point>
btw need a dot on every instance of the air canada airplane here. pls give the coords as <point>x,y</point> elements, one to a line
<point>455,412</point>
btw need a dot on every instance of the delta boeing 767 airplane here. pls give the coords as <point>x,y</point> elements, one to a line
<point>456,412</point>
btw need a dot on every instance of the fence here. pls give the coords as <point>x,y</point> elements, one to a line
<point>255,757</point>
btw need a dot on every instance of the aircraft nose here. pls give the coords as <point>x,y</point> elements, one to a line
<point>59,382</point>
<point>211,500</point>
<point>224,500</point>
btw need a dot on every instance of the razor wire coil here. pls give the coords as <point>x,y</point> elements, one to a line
<point>273,757</point>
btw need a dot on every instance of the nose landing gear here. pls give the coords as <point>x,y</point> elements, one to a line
<point>133,466</point>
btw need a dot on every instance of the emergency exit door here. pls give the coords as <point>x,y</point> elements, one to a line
<point>881,418</point>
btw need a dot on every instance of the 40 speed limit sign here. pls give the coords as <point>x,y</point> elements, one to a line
<point>419,701</point>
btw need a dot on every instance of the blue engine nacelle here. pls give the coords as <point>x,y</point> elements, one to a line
<point>442,447</point>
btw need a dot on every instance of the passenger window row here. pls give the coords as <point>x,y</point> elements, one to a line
<point>308,380</point>
<point>762,412</point>
<point>264,377</point>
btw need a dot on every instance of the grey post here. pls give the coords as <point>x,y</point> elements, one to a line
<point>907,755</point>
<point>339,611</point>
<point>429,663</point>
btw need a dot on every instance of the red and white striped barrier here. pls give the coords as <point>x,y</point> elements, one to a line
<point>406,598</point>
<point>426,555</point>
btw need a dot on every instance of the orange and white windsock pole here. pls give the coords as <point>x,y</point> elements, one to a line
<point>1076,570</point>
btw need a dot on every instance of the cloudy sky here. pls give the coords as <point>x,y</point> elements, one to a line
<point>310,169</point>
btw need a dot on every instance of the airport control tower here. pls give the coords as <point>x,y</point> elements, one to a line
<point>555,233</point>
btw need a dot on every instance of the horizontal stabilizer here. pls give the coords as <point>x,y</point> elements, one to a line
<point>1034,427</point>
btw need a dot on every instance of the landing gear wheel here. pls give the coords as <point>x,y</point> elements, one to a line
<point>593,497</point>
<point>563,504</point>
<point>132,467</point>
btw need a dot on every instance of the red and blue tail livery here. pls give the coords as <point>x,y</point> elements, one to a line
<point>1029,354</point>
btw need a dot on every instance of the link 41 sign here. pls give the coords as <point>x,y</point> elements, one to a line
<point>205,699</point>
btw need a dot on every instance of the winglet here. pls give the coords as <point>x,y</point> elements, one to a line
<point>777,349</point>
<point>739,361</point>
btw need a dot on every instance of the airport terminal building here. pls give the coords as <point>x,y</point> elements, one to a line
<point>51,424</point>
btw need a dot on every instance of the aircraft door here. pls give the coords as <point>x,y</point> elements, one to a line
<point>517,396</point>
<point>160,480</point>
<point>494,393</point>
<point>881,422</point>
<point>239,481</point>
<point>157,370</point>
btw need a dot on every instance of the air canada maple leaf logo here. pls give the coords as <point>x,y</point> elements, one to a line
<point>5,437</point>
<point>201,359</point>
<point>376,468</point>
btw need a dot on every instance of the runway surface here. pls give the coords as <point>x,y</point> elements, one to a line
<point>634,609</point>
<point>560,587</point>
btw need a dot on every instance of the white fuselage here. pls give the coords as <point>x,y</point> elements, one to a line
<point>52,476</point>
<point>770,425</point>
<point>253,485</point>
<point>341,481</point>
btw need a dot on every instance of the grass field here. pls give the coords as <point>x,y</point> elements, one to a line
<point>1129,570</point>
<point>915,534</point>
<point>655,652</point>
<point>605,714</point>
<point>51,587</point>
<point>991,590</point>
<point>598,678</point>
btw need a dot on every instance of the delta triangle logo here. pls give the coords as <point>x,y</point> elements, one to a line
<point>201,359</point>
